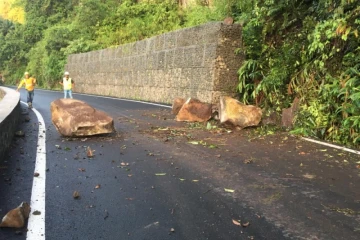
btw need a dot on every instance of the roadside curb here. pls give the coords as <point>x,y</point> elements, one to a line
<point>9,118</point>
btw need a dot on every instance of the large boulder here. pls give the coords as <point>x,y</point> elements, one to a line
<point>288,114</point>
<point>239,114</point>
<point>193,110</point>
<point>74,118</point>
<point>16,217</point>
<point>177,105</point>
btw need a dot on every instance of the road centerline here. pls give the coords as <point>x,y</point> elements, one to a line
<point>36,222</point>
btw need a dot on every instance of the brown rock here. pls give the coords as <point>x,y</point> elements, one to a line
<point>239,114</point>
<point>229,21</point>
<point>76,195</point>
<point>16,217</point>
<point>288,114</point>
<point>193,110</point>
<point>272,119</point>
<point>74,118</point>
<point>178,103</point>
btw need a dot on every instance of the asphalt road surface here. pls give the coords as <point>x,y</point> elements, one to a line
<point>158,179</point>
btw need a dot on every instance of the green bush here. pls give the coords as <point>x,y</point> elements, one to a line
<point>308,50</point>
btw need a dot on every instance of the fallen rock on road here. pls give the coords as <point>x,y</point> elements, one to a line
<point>177,105</point>
<point>239,114</point>
<point>16,217</point>
<point>193,110</point>
<point>75,118</point>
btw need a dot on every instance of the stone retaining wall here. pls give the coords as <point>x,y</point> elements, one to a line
<point>193,62</point>
<point>9,118</point>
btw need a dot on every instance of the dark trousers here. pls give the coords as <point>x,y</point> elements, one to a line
<point>30,96</point>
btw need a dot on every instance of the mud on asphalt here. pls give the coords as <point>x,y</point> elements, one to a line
<point>308,190</point>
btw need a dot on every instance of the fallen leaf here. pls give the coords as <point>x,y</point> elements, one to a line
<point>36,212</point>
<point>82,169</point>
<point>248,161</point>
<point>106,214</point>
<point>89,152</point>
<point>302,153</point>
<point>237,223</point>
<point>182,179</point>
<point>67,149</point>
<point>309,176</point>
<point>58,146</point>
<point>76,195</point>
<point>229,190</point>
<point>129,175</point>
<point>97,186</point>
<point>194,142</point>
<point>323,150</point>
<point>301,164</point>
<point>195,180</point>
<point>160,174</point>
<point>245,224</point>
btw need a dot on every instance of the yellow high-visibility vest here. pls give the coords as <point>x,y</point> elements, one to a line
<point>29,83</point>
<point>67,83</point>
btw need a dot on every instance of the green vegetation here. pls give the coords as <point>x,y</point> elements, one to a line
<point>309,50</point>
<point>294,49</point>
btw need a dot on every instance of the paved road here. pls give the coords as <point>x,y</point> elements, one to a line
<point>137,201</point>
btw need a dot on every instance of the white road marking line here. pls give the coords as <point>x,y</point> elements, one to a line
<point>331,145</point>
<point>114,98</point>
<point>36,223</point>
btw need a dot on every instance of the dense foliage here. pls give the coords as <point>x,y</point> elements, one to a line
<point>303,49</point>
<point>308,50</point>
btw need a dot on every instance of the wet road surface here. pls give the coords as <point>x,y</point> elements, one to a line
<point>146,181</point>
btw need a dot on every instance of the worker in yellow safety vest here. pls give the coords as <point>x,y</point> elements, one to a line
<point>68,84</point>
<point>29,83</point>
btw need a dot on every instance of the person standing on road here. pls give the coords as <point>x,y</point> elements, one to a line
<point>68,84</point>
<point>29,83</point>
